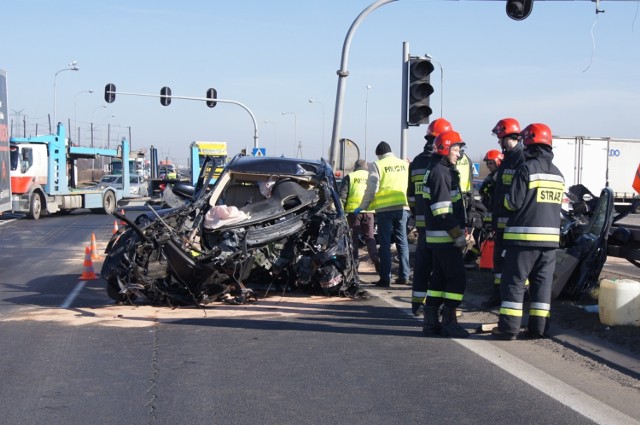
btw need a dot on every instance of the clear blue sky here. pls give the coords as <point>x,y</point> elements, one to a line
<point>274,55</point>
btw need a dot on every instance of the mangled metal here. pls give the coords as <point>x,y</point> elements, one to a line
<point>267,224</point>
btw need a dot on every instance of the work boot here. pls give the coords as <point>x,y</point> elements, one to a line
<point>450,326</point>
<point>431,326</point>
<point>502,335</point>
<point>417,309</point>
<point>494,299</point>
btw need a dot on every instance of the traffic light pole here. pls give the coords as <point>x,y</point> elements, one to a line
<point>343,73</point>
<point>404,109</point>
<point>205,99</point>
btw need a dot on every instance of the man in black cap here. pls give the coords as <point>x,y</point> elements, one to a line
<point>351,193</point>
<point>386,194</point>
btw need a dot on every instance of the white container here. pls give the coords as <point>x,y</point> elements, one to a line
<point>619,302</point>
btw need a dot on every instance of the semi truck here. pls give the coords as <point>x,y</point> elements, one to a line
<point>5,179</point>
<point>202,149</point>
<point>44,176</point>
<point>598,162</point>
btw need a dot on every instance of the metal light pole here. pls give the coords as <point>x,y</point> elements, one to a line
<point>343,73</point>
<point>432,59</point>
<point>320,103</point>
<point>72,67</point>
<point>75,114</point>
<point>366,116</point>
<point>275,137</point>
<point>102,129</point>
<point>295,130</point>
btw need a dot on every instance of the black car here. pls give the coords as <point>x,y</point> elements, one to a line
<point>273,223</point>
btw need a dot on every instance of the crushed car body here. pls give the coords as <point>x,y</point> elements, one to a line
<point>266,224</point>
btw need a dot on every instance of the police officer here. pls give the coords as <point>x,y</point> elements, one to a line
<point>386,193</point>
<point>422,263</point>
<point>445,224</point>
<point>351,193</point>
<point>507,131</point>
<point>531,236</point>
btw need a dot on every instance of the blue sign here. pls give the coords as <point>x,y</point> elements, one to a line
<point>476,169</point>
<point>259,152</point>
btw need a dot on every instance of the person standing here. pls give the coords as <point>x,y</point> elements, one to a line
<point>386,194</point>
<point>351,193</point>
<point>423,261</point>
<point>532,235</point>
<point>507,131</point>
<point>445,224</point>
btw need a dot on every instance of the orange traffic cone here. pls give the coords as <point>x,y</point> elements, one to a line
<point>87,268</point>
<point>122,223</point>
<point>115,226</point>
<point>94,248</point>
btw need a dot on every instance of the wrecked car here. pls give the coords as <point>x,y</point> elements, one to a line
<point>267,223</point>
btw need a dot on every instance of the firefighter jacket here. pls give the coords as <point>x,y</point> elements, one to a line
<point>417,170</point>
<point>387,185</point>
<point>535,198</point>
<point>352,189</point>
<point>444,207</point>
<point>486,195</point>
<point>512,160</point>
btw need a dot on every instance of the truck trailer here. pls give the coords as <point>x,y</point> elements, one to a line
<point>598,162</point>
<point>44,176</point>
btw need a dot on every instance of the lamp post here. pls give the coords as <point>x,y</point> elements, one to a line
<point>320,103</point>
<point>275,137</point>
<point>366,116</point>
<point>72,67</point>
<point>432,59</point>
<point>295,129</point>
<point>75,113</point>
<point>102,129</point>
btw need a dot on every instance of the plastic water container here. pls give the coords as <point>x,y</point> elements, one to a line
<point>619,302</point>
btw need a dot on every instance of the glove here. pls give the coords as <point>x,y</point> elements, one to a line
<point>357,210</point>
<point>460,242</point>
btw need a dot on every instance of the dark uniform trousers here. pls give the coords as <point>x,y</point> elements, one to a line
<point>423,264</point>
<point>536,265</point>
<point>448,279</point>
<point>498,259</point>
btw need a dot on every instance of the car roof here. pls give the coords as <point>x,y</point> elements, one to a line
<point>277,165</point>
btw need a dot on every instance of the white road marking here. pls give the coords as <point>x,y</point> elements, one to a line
<point>72,296</point>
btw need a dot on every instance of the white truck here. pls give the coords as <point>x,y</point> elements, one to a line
<point>598,162</point>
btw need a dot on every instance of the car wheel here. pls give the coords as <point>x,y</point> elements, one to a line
<point>113,291</point>
<point>35,206</point>
<point>109,202</point>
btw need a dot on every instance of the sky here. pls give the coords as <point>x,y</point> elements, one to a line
<point>565,65</point>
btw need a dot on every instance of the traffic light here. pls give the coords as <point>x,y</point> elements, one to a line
<point>212,94</point>
<point>165,96</point>
<point>419,90</point>
<point>110,93</point>
<point>519,9</point>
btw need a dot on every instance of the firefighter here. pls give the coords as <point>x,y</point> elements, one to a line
<point>532,235</point>
<point>351,193</point>
<point>422,263</point>
<point>507,131</point>
<point>386,194</point>
<point>445,224</point>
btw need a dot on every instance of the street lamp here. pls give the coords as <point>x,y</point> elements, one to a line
<point>275,137</point>
<point>295,129</point>
<point>320,103</point>
<point>366,116</point>
<point>75,114</point>
<point>72,67</point>
<point>432,59</point>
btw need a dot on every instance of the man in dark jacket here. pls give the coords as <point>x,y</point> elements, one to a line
<point>531,236</point>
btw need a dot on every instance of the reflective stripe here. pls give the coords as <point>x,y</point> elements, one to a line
<point>497,278</point>
<point>533,234</point>
<point>418,294</point>
<point>510,312</point>
<point>444,207</point>
<point>434,294</point>
<point>540,306</point>
<point>438,236</point>
<point>546,184</point>
<point>540,313</point>
<point>537,230</point>
<point>548,177</point>
<point>502,222</point>
<point>510,304</point>
<point>507,203</point>
<point>452,296</point>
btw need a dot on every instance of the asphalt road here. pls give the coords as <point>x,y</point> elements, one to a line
<point>286,359</point>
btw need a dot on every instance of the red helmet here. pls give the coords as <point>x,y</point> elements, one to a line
<point>438,126</point>
<point>443,143</point>
<point>506,127</point>
<point>536,134</point>
<point>495,156</point>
